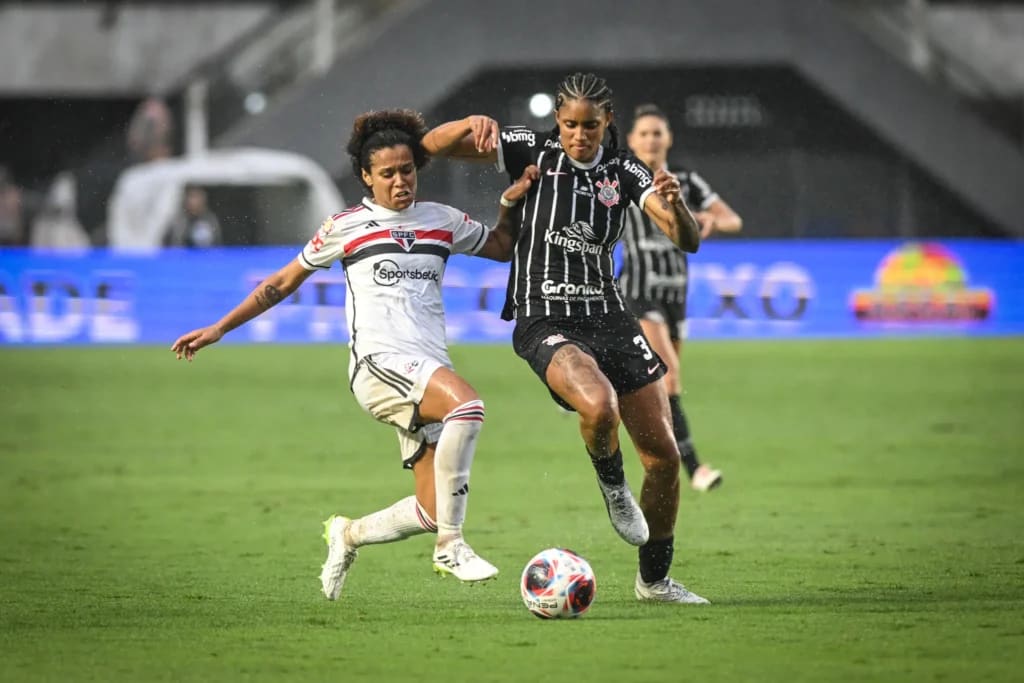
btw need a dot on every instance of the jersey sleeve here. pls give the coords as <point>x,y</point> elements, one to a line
<point>517,149</point>
<point>701,196</point>
<point>323,249</point>
<point>637,180</point>
<point>468,235</point>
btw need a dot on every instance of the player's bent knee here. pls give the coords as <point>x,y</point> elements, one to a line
<point>470,414</point>
<point>661,463</point>
<point>656,445</point>
<point>600,412</point>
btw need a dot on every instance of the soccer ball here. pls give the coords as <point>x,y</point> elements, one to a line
<point>558,584</point>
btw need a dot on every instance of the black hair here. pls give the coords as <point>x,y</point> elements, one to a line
<point>588,86</point>
<point>650,110</point>
<point>376,130</point>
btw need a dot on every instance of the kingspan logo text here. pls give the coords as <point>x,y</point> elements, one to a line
<point>570,244</point>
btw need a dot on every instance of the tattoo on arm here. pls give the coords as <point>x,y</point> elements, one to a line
<point>506,231</point>
<point>269,297</point>
<point>668,208</point>
<point>686,231</point>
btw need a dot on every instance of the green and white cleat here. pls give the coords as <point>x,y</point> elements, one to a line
<point>339,556</point>
<point>459,560</point>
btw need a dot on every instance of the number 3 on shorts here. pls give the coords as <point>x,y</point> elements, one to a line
<point>640,341</point>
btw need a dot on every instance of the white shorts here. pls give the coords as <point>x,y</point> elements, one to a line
<point>390,387</point>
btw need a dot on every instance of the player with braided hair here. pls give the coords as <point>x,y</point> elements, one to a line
<point>587,86</point>
<point>393,250</point>
<point>572,325</point>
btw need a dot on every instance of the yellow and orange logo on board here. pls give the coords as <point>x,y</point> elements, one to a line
<point>922,282</point>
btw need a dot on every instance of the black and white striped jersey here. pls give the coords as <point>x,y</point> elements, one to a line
<point>654,268</point>
<point>569,224</point>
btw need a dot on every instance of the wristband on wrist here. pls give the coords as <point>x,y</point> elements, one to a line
<point>506,203</point>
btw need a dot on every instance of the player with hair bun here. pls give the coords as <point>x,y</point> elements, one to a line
<point>393,250</point>
<point>572,325</point>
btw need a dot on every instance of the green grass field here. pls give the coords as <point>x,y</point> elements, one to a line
<point>161,521</point>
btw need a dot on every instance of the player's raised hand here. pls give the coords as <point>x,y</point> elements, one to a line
<point>188,344</point>
<point>485,133</point>
<point>667,185</point>
<point>519,188</point>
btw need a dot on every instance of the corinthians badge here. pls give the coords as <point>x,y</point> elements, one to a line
<point>608,192</point>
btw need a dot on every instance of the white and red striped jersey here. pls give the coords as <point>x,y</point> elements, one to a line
<point>394,263</point>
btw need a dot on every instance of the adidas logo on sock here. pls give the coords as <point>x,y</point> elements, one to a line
<point>463,491</point>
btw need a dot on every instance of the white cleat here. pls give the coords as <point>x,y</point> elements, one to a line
<point>666,590</point>
<point>626,516</point>
<point>339,556</point>
<point>704,479</point>
<point>459,560</point>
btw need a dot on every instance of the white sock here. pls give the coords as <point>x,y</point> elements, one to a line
<point>403,519</point>
<point>452,460</point>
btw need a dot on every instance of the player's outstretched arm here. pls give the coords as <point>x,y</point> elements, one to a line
<point>502,239</point>
<point>719,217</point>
<point>267,294</point>
<point>666,208</point>
<point>474,138</point>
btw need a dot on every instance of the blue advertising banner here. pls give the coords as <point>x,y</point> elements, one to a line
<point>737,289</point>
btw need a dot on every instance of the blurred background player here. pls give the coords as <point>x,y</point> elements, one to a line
<point>12,232</point>
<point>572,325</point>
<point>196,226</point>
<point>654,272</point>
<point>393,250</point>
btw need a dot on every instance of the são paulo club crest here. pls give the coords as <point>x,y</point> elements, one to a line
<point>608,192</point>
<point>406,238</point>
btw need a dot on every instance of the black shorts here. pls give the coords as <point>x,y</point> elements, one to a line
<point>671,314</point>
<point>614,340</point>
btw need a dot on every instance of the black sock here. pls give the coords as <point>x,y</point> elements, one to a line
<point>688,454</point>
<point>681,430</point>
<point>609,468</point>
<point>679,425</point>
<point>656,559</point>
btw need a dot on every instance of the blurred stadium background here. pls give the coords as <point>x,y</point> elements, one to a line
<point>136,125</point>
<point>158,157</point>
<point>864,118</point>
